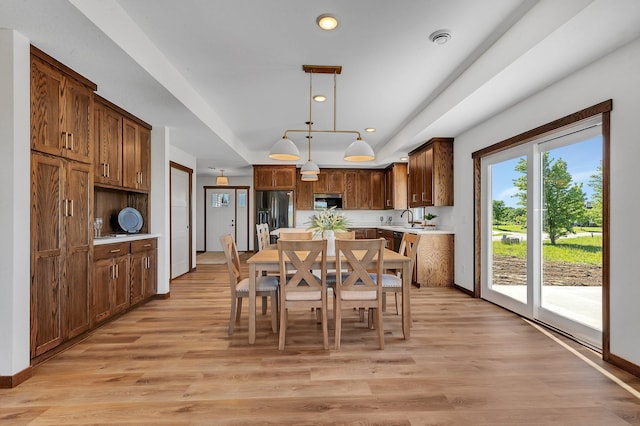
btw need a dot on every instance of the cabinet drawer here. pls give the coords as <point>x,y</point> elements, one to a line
<point>144,245</point>
<point>107,251</point>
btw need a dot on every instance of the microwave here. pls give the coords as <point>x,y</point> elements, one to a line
<point>325,201</point>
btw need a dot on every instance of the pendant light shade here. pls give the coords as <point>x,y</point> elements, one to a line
<point>284,149</point>
<point>222,180</point>
<point>309,178</point>
<point>359,150</point>
<point>310,168</point>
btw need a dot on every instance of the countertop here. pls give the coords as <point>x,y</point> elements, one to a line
<point>121,238</point>
<point>399,228</point>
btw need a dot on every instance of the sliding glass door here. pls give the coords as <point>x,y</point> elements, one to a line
<point>542,230</point>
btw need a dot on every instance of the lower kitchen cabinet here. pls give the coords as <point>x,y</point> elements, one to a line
<point>435,261</point>
<point>143,269</point>
<point>111,281</point>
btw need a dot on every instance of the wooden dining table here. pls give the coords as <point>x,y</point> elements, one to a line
<point>267,261</point>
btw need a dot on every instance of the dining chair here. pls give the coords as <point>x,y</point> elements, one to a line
<point>262,229</point>
<point>356,287</point>
<point>392,283</point>
<point>345,235</point>
<point>300,288</point>
<point>265,285</point>
<point>307,235</point>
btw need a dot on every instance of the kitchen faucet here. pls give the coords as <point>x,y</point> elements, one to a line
<point>410,215</point>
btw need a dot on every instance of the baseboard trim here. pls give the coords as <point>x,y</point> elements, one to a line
<point>163,296</point>
<point>622,363</point>
<point>8,382</point>
<point>464,290</point>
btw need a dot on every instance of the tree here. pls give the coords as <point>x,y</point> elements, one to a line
<point>594,213</point>
<point>499,212</point>
<point>563,200</point>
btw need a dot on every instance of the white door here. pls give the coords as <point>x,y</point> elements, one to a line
<point>242,219</point>
<point>220,216</point>
<point>180,195</point>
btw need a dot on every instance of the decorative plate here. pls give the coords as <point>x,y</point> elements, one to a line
<point>130,220</point>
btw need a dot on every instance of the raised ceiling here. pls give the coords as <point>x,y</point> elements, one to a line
<point>226,76</point>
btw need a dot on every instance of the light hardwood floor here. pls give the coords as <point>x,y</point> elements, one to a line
<point>171,362</point>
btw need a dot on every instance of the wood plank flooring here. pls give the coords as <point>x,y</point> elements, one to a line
<point>171,362</point>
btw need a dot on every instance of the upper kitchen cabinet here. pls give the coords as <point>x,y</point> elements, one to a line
<point>329,181</point>
<point>363,190</point>
<point>107,130</point>
<point>136,155</point>
<point>395,182</point>
<point>274,177</point>
<point>61,109</point>
<point>303,193</point>
<point>431,174</point>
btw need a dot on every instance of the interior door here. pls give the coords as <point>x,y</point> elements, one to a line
<point>180,202</point>
<point>220,216</point>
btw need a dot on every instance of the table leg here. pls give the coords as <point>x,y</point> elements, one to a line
<point>252,303</point>
<point>406,301</point>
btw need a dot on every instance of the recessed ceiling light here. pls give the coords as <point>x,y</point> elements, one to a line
<point>319,98</point>
<point>327,22</point>
<point>370,129</point>
<point>440,36</point>
<point>404,158</point>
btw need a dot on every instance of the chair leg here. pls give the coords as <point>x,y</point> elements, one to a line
<point>274,311</point>
<point>337,315</point>
<point>264,305</point>
<point>384,302</point>
<point>361,313</point>
<point>325,329</point>
<point>283,326</point>
<point>380,327</point>
<point>232,316</point>
<point>397,304</point>
<point>239,309</point>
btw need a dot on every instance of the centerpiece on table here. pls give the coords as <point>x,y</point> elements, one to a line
<point>325,223</point>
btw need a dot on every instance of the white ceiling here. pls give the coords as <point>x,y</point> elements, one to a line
<point>226,75</point>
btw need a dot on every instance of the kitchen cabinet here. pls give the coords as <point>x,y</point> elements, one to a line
<point>303,193</point>
<point>61,108</point>
<point>388,236</point>
<point>136,157</point>
<point>435,261</point>
<point>431,174</point>
<point>329,181</point>
<point>61,248</point>
<point>361,233</point>
<point>395,182</point>
<point>143,269</point>
<point>364,190</point>
<point>274,177</point>
<point>108,144</point>
<point>110,289</point>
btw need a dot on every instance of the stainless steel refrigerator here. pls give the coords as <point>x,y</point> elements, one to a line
<point>275,208</point>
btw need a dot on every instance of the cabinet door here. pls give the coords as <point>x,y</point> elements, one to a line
<point>75,119</point>
<point>107,137</point>
<point>47,252</point>
<point>322,184</point>
<point>377,190</point>
<point>78,235</point>
<point>363,190</point>
<point>335,181</point>
<point>121,293</point>
<point>350,200</point>
<point>304,194</point>
<point>137,279</point>
<point>263,177</point>
<point>284,178</point>
<point>143,159</point>
<point>46,108</point>
<point>101,290</point>
<point>388,188</point>
<point>150,276</point>
<point>426,196</point>
<point>129,144</point>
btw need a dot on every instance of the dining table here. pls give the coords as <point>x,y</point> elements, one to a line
<point>267,261</point>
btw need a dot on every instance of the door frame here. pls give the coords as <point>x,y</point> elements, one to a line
<point>603,108</point>
<point>234,187</point>
<point>189,171</point>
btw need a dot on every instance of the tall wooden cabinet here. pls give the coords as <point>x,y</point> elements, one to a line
<point>431,174</point>
<point>61,249</point>
<point>108,144</point>
<point>136,158</point>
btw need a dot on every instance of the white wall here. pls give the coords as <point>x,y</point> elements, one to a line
<point>208,180</point>
<point>15,195</point>
<point>617,77</point>
<point>160,218</point>
<point>179,156</point>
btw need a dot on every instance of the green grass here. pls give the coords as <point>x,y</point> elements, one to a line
<point>579,250</point>
<point>509,228</point>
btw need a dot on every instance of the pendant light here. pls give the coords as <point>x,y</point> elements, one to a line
<point>222,180</point>
<point>285,149</point>
<point>310,168</point>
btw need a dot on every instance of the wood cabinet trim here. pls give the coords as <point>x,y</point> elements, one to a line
<point>62,67</point>
<point>124,112</point>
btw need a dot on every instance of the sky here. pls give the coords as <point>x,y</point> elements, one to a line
<point>582,160</point>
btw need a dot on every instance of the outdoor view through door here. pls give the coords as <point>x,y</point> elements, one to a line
<point>542,229</point>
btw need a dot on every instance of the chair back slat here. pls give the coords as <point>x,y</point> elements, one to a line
<point>358,257</point>
<point>262,230</point>
<point>345,235</point>
<point>409,248</point>
<point>306,235</point>
<point>296,259</point>
<point>233,261</point>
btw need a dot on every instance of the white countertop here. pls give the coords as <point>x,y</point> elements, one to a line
<point>121,238</point>
<point>400,228</point>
